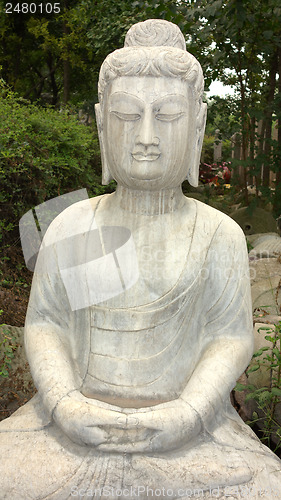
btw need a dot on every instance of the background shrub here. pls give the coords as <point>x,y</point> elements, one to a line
<point>43,153</point>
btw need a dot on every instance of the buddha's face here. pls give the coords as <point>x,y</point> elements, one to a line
<point>149,130</point>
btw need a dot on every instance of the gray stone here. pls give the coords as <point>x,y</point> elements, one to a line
<point>254,239</point>
<point>217,147</point>
<point>265,285</point>
<point>267,245</point>
<point>260,221</point>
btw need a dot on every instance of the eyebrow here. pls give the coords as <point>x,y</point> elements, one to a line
<point>126,95</point>
<point>170,98</point>
<point>158,101</point>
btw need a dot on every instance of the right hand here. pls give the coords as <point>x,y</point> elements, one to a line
<point>87,421</point>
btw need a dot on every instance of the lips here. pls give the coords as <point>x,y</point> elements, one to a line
<point>139,156</point>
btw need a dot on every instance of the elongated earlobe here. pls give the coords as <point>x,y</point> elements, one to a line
<point>106,176</point>
<point>193,170</point>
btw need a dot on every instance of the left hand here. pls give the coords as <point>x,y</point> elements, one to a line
<point>157,428</point>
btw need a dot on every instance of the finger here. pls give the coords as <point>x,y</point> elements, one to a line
<point>101,416</point>
<point>152,421</point>
<point>93,436</point>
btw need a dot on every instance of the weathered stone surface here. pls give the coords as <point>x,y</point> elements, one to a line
<point>267,245</point>
<point>265,285</point>
<point>253,238</point>
<point>140,321</point>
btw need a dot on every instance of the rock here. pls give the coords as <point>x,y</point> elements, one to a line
<point>253,239</point>
<point>265,277</point>
<point>260,221</point>
<point>267,245</point>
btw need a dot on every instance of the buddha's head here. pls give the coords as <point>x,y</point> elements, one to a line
<point>150,116</point>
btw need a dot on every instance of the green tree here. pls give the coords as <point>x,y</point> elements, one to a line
<point>46,55</point>
<point>239,42</point>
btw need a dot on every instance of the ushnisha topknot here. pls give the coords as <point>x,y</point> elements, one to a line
<point>153,48</point>
<point>155,33</point>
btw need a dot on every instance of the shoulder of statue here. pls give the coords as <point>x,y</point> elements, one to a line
<point>220,221</point>
<point>76,219</point>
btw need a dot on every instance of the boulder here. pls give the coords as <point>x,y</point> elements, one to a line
<point>266,245</point>
<point>265,277</point>
<point>260,221</point>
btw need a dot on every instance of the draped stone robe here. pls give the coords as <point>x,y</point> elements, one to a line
<point>148,353</point>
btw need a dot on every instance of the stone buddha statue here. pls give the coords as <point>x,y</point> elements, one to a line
<point>139,320</point>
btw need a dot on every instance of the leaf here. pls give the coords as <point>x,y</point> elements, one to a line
<point>277,353</point>
<point>276,391</point>
<point>253,368</point>
<point>271,339</point>
<point>240,387</point>
<point>268,34</point>
<point>260,351</point>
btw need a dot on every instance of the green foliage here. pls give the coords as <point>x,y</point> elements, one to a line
<point>269,397</point>
<point>223,114</point>
<point>43,153</point>
<point>36,46</point>
<point>239,43</point>
<point>57,57</point>
<point>207,155</point>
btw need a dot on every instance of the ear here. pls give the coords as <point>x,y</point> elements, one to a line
<point>193,170</point>
<point>106,176</point>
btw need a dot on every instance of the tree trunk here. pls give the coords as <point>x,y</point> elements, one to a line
<point>277,198</point>
<point>66,81</point>
<point>244,129</point>
<point>268,117</point>
<point>66,64</point>
<point>244,139</point>
<point>252,147</point>
<point>53,82</point>
<point>259,154</point>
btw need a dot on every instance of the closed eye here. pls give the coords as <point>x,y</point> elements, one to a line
<point>168,117</point>
<point>128,117</point>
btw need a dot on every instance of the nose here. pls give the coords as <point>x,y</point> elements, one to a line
<point>147,136</point>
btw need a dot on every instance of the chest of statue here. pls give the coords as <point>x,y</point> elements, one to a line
<point>142,347</point>
<point>159,246</point>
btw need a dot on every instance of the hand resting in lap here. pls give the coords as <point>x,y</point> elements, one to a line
<point>112,429</point>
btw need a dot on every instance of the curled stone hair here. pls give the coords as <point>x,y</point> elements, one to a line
<point>142,56</point>
<point>155,32</point>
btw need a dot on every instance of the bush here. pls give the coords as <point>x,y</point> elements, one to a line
<point>43,153</point>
